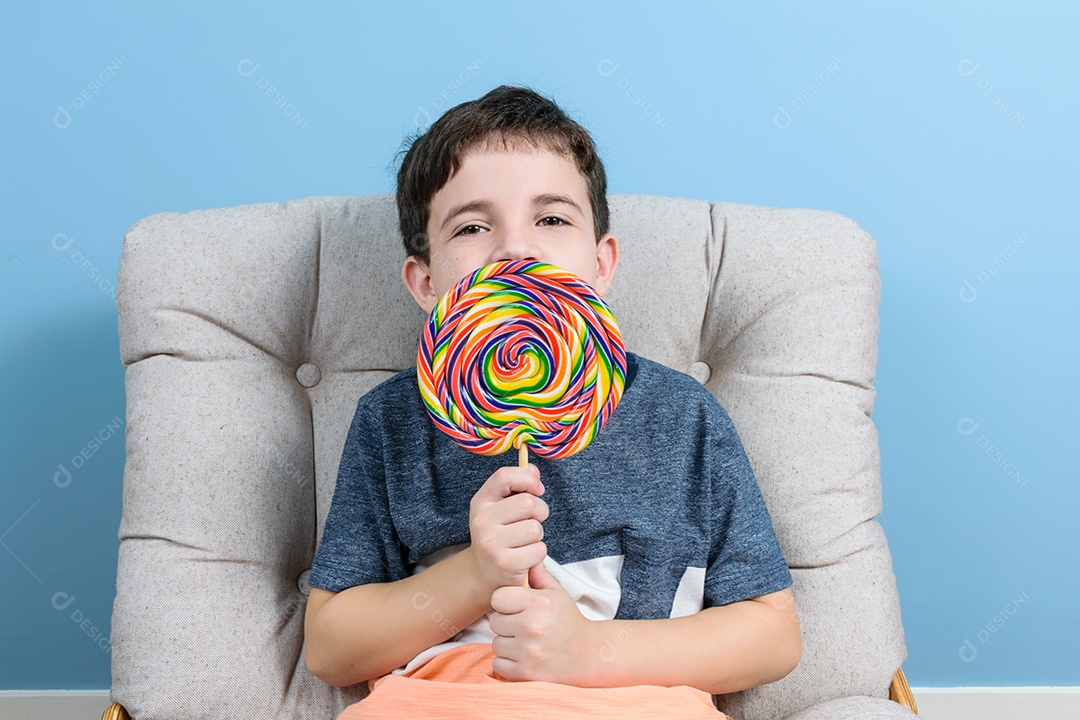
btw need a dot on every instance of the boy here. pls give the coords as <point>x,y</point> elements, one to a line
<point>660,576</point>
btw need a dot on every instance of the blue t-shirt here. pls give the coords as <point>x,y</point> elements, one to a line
<point>663,499</point>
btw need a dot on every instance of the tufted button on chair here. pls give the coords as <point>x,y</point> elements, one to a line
<point>249,333</point>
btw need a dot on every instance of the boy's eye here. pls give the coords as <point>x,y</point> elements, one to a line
<point>470,230</point>
<point>552,221</point>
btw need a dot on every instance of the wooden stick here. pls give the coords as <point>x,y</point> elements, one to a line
<point>523,462</point>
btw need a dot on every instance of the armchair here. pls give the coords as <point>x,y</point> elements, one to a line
<point>249,333</point>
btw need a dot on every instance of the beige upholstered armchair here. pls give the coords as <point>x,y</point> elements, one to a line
<point>249,333</point>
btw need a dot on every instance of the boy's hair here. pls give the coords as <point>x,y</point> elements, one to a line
<point>505,116</point>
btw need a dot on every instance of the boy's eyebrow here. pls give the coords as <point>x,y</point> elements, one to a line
<point>486,206</point>
<point>550,198</point>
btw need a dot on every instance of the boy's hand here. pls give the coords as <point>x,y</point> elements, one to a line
<point>505,527</point>
<point>541,634</point>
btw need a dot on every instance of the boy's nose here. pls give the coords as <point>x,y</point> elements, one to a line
<point>516,244</point>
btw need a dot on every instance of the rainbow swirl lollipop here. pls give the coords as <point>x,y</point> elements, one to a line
<point>521,353</point>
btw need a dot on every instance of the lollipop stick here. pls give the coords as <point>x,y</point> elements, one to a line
<point>523,462</point>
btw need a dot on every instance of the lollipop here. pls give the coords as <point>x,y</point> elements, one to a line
<point>521,354</point>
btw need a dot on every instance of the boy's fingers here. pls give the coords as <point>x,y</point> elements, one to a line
<point>513,563</point>
<point>507,481</point>
<point>523,533</point>
<point>541,579</point>
<point>524,506</point>
<point>516,508</point>
<point>508,600</point>
<point>506,668</point>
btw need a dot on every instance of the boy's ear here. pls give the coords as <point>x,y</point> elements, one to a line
<point>607,259</point>
<point>417,278</point>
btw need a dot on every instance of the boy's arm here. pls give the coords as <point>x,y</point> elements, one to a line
<point>722,649</point>
<point>719,650</point>
<point>368,630</point>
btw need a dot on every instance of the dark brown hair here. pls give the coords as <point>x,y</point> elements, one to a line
<point>506,115</point>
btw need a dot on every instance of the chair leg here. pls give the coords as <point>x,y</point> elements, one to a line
<point>900,692</point>
<point>115,711</point>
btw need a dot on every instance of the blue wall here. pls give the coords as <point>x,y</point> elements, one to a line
<point>948,132</point>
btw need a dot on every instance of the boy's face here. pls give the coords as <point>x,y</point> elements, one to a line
<point>510,204</point>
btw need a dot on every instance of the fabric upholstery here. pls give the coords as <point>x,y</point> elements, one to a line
<point>858,707</point>
<point>249,333</point>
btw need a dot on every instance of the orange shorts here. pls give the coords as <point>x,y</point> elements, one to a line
<point>461,685</point>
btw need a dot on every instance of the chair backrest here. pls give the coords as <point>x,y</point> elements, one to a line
<point>249,333</point>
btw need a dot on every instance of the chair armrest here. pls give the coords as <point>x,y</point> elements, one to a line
<point>857,707</point>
